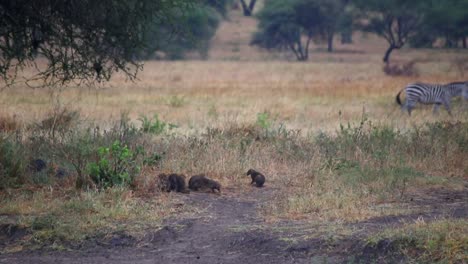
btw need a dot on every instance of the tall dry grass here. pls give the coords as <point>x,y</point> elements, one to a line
<point>197,94</point>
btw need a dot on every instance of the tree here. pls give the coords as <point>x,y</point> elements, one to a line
<point>345,23</point>
<point>199,26</point>
<point>248,8</point>
<point>448,20</point>
<point>331,13</point>
<point>289,25</point>
<point>79,40</point>
<point>394,20</point>
<point>220,5</point>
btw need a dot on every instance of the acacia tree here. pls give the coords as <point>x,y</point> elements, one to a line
<point>289,25</point>
<point>248,7</point>
<point>80,41</point>
<point>199,26</point>
<point>331,13</point>
<point>394,20</point>
<point>449,20</point>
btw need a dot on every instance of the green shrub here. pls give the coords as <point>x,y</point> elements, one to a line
<point>264,120</point>
<point>154,125</point>
<point>116,165</point>
<point>12,163</point>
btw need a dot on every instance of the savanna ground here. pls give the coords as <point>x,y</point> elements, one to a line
<point>350,178</point>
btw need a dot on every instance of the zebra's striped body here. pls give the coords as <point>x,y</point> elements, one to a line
<point>436,94</point>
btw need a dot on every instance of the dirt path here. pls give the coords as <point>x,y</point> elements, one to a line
<point>227,229</point>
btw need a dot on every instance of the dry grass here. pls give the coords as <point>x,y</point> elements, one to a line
<point>441,241</point>
<point>59,215</point>
<point>196,95</point>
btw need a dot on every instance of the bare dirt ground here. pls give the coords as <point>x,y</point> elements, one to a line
<point>229,229</point>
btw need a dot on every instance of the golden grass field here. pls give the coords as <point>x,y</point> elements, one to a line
<point>199,94</point>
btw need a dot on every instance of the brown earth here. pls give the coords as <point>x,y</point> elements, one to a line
<point>229,229</point>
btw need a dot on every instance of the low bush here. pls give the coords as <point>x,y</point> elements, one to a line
<point>116,165</point>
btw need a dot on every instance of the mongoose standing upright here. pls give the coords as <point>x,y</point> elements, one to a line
<point>201,182</point>
<point>257,177</point>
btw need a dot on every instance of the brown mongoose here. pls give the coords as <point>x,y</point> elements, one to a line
<point>163,182</point>
<point>172,182</point>
<point>177,183</point>
<point>257,177</point>
<point>201,182</point>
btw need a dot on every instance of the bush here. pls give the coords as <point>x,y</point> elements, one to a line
<point>12,163</point>
<point>9,124</point>
<point>154,125</point>
<point>116,165</point>
<point>59,121</point>
<point>403,69</point>
<point>199,26</point>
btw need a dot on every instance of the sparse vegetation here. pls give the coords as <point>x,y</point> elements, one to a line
<point>441,241</point>
<point>155,125</point>
<point>57,222</point>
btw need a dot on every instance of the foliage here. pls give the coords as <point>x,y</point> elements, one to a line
<point>199,26</point>
<point>79,40</point>
<point>291,25</point>
<point>447,19</point>
<point>154,125</point>
<point>60,120</point>
<point>395,21</point>
<point>220,5</point>
<point>440,241</point>
<point>12,163</point>
<point>264,120</point>
<point>116,165</point>
<point>281,28</point>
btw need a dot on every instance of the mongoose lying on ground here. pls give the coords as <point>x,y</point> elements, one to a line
<point>200,182</point>
<point>172,182</point>
<point>257,177</point>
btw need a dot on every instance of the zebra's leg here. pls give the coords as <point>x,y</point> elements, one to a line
<point>409,106</point>
<point>447,106</point>
<point>435,110</point>
<point>465,101</point>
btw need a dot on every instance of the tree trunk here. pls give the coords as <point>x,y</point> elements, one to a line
<point>346,38</point>
<point>330,42</point>
<point>386,58</point>
<point>252,5</point>
<point>464,42</point>
<point>448,41</point>
<point>248,8</point>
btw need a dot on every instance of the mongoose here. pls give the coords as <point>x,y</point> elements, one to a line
<point>163,182</point>
<point>257,177</point>
<point>198,182</point>
<point>177,183</point>
<point>37,165</point>
<point>172,182</point>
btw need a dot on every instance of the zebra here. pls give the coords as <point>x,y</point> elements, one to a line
<point>436,94</point>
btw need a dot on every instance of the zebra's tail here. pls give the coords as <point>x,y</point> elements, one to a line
<point>398,97</point>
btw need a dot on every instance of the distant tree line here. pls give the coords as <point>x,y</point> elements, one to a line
<point>292,25</point>
<point>90,40</point>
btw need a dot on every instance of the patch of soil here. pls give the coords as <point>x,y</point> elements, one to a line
<point>229,230</point>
